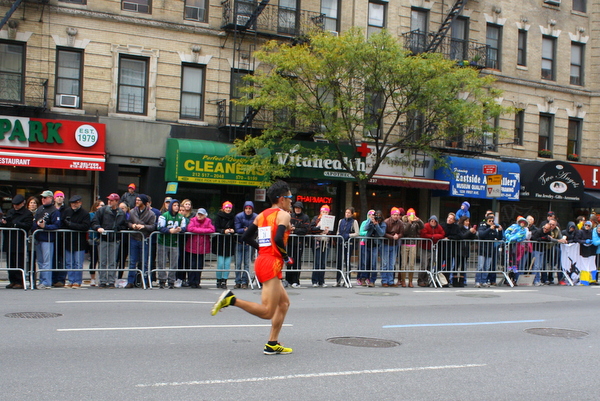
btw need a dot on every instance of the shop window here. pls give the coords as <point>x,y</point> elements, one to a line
<point>133,85</point>
<point>69,73</point>
<point>376,21</point>
<point>12,71</point>
<point>192,92</point>
<point>195,10</point>
<point>138,6</point>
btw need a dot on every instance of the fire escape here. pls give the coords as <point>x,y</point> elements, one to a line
<point>466,53</point>
<point>247,23</point>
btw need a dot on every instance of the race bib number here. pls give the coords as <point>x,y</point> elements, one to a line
<point>264,236</point>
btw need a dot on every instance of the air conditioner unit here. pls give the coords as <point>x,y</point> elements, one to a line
<point>68,101</point>
<point>242,20</point>
<point>553,2</point>
<point>334,33</point>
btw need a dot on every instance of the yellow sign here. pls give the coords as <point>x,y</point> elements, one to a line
<point>494,179</point>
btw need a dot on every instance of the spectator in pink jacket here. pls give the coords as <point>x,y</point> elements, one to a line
<point>433,231</point>
<point>198,245</point>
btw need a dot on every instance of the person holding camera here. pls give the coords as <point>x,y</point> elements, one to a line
<point>46,218</point>
<point>371,228</point>
<point>77,219</point>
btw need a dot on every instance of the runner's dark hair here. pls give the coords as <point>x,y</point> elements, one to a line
<point>279,188</point>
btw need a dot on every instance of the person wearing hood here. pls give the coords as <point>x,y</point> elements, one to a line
<point>571,231</point>
<point>223,245</point>
<point>299,227</point>
<point>242,255</point>
<point>75,218</point>
<point>170,224</point>
<point>372,228</point>
<point>584,239</point>
<point>434,232</point>
<point>463,211</point>
<point>15,241</point>
<point>143,220</point>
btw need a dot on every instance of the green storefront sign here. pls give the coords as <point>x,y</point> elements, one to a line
<point>212,162</point>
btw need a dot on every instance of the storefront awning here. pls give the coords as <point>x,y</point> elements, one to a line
<point>409,182</point>
<point>551,181</point>
<point>590,199</point>
<point>468,177</point>
<point>59,160</point>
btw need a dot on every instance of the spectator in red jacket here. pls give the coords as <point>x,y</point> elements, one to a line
<point>433,231</point>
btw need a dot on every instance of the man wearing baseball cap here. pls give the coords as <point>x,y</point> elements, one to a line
<point>15,242</point>
<point>107,221</point>
<point>143,220</point>
<point>46,219</point>
<point>130,196</point>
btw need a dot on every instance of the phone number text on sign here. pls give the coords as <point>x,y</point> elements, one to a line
<point>86,166</point>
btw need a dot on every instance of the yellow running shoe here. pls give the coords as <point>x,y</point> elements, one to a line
<point>227,298</point>
<point>276,349</point>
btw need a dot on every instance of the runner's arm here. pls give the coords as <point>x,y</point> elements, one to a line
<point>279,240</point>
<point>249,236</point>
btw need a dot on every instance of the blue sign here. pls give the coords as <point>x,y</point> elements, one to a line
<point>467,177</point>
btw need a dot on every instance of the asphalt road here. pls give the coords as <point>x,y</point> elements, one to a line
<point>421,344</point>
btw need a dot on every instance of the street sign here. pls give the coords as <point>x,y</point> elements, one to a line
<point>494,186</point>
<point>490,169</point>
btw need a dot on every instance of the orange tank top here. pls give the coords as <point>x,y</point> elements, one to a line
<point>267,228</point>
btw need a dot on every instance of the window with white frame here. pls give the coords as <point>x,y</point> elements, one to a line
<point>195,10</point>
<point>192,92</point>
<point>12,71</point>
<point>138,6</point>
<point>329,8</point>
<point>132,85</point>
<point>69,75</point>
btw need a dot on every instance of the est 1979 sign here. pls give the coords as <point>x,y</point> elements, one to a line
<point>86,136</point>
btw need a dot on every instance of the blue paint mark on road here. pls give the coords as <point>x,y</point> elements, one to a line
<point>460,324</point>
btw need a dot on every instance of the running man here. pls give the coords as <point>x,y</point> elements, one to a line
<point>273,227</point>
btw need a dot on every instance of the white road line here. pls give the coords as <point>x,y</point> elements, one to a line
<point>310,375</point>
<point>131,301</point>
<point>479,290</point>
<point>204,326</point>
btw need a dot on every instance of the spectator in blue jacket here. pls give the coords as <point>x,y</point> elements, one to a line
<point>46,218</point>
<point>241,222</point>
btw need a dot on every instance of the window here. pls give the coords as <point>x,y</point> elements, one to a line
<point>577,54</point>
<point>519,127</point>
<point>490,138</point>
<point>373,114</point>
<point>133,85</point>
<point>192,92</point>
<point>548,57</point>
<point>580,5</point>
<point>329,8</point>
<point>237,112</point>
<point>287,16</point>
<point>69,67</point>
<point>546,132</point>
<point>376,17</point>
<point>138,6</point>
<point>195,10</point>
<point>74,1</point>
<point>459,39</point>
<point>12,71</point>
<point>493,39</point>
<point>574,139</point>
<point>419,26</point>
<point>522,47</point>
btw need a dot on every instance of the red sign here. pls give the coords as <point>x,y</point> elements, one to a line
<point>314,199</point>
<point>490,169</point>
<point>36,142</point>
<point>589,174</point>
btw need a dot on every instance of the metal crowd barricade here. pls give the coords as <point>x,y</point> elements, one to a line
<point>200,254</point>
<point>412,255</point>
<point>546,258</point>
<point>321,254</point>
<point>52,243</point>
<point>13,243</point>
<point>457,259</point>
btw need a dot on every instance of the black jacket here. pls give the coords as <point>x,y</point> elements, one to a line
<point>223,245</point>
<point>301,222</point>
<point>111,220</point>
<point>15,240</point>
<point>77,220</point>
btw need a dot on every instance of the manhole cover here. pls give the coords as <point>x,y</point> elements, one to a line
<point>378,294</point>
<point>33,315</point>
<point>551,332</point>
<point>479,295</point>
<point>363,342</point>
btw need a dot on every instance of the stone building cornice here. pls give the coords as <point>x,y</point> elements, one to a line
<point>545,85</point>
